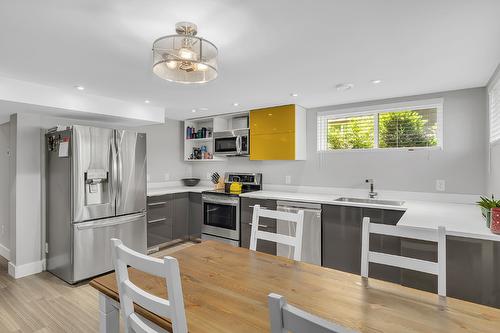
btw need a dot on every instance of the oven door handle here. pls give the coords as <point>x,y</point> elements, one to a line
<point>234,204</point>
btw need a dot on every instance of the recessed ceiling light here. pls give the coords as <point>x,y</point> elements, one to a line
<point>344,86</point>
<point>376,81</point>
<point>236,104</point>
<point>193,110</point>
<point>80,87</point>
<point>147,101</point>
<point>294,94</point>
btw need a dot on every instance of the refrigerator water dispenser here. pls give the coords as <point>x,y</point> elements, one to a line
<point>96,187</point>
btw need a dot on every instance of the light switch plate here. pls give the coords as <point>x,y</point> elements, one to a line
<point>288,180</point>
<point>440,185</point>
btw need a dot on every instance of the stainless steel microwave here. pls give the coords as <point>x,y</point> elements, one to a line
<point>232,143</point>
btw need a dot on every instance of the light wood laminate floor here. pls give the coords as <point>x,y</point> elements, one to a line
<point>44,303</point>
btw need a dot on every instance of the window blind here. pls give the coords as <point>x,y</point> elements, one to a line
<point>494,101</point>
<point>400,125</point>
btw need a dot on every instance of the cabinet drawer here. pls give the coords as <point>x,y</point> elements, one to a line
<point>159,199</point>
<point>277,119</point>
<point>159,212</point>
<point>275,146</point>
<point>160,208</point>
<point>159,232</point>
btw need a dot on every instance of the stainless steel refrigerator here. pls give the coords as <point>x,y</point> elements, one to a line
<point>96,190</point>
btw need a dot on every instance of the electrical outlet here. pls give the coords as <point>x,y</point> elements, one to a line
<point>440,185</point>
<point>288,180</point>
<point>166,177</point>
<point>209,175</point>
<point>148,178</point>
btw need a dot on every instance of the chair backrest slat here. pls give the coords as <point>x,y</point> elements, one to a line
<point>144,263</point>
<point>287,318</point>
<point>293,241</point>
<point>130,293</point>
<point>403,262</point>
<point>438,236</point>
<point>279,215</point>
<point>278,238</point>
<point>148,301</point>
<point>406,232</point>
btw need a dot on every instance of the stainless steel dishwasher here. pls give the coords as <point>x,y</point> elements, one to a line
<point>311,241</point>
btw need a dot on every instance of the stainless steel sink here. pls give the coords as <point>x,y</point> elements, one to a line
<point>372,201</point>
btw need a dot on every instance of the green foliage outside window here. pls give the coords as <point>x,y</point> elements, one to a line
<point>351,133</point>
<point>406,129</point>
<point>395,129</point>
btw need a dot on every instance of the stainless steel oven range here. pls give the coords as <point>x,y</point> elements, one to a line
<point>221,209</point>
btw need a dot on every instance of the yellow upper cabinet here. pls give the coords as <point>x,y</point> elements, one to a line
<point>278,133</point>
<point>278,119</point>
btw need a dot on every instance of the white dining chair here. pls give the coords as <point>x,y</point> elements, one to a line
<point>287,318</point>
<point>168,268</point>
<point>293,241</point>
<point>431,235</point>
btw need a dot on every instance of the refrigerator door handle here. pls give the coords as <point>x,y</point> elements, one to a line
<point>115,221</point>
<point>114,171</point>
<point>119,174</point>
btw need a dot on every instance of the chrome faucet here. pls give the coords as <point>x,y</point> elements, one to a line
<point>371,194</point>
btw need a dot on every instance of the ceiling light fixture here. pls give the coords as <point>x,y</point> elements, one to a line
<point>185,58</point>
<point>236,104</point>
<point>294,94</point>
<point>193,110</point>
<point>344,86</point>
<point>80,88</point>
<point>376,81</point>
<point>147,101</point>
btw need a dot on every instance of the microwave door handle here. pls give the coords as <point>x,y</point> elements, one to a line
<point>238,144</point>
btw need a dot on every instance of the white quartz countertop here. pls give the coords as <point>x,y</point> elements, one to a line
<point>460,219</point>
<point>175,187</point>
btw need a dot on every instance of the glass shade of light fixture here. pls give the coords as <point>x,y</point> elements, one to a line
<point>185,58</point>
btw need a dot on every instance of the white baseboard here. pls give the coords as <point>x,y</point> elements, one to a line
<point>31,268</point>
<point>4,252</point>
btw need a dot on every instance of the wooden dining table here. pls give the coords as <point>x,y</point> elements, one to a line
<point>225,290</point>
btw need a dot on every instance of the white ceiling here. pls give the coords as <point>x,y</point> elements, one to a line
<point>268,49</point>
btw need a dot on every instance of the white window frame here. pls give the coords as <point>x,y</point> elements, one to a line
<point>324,116</point>
<point>493,86</point>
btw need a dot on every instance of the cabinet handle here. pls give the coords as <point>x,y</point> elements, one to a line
<point>260,225</point>
<point>158,220</point>
<point>261,207</point>
<point>157,203</point>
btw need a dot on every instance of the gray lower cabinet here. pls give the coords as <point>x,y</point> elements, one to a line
<point>181,216</point>
<point>473,270</point>
<point>341,239</point>
<point>195,216</point>
<point>246,212</point>
<point>160,219</point>
<point>168,218</point>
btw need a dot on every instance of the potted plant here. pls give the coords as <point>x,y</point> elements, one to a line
<point>486,205</point>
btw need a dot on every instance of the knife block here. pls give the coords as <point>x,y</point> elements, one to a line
<point>220,185</point>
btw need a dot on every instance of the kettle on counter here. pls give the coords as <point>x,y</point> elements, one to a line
<point>236,186</point>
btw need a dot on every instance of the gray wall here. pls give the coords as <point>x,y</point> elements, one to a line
<point>4,186</point>
<point>165,150</point>
<point>461,163</point>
